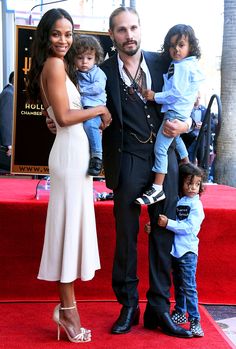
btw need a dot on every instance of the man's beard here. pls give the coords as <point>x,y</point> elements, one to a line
<point>121,48</point>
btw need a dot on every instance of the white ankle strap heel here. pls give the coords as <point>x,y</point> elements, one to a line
<point>83,336</point>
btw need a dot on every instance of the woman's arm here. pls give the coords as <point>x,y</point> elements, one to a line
<point>54,81</point>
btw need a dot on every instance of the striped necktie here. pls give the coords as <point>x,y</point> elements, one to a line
<point>171,70</point>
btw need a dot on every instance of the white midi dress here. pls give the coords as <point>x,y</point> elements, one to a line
<point>70,249</point>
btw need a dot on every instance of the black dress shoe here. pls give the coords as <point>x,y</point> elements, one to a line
<point>152,320</point>
<point>165,322</point>
<point>128,317</point>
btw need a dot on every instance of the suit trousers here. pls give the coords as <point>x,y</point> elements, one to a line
<point>135,176</point>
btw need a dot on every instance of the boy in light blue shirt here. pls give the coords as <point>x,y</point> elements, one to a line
<point>181,86</point>
<point>189,217</point>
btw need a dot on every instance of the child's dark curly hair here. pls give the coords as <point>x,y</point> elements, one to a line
<point>189,169</point>
<point>181,30</point>
<point>83,43</point>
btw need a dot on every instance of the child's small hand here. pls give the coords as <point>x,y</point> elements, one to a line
<point>147,228</point>
<point>149,95</point>
<point>162,220</point>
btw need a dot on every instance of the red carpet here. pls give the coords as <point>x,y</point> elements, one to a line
<point>22,220</point>
<point>29,326</point>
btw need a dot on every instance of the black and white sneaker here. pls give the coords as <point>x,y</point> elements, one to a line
<point>195,328</point>
<point>150,197</point>
<point>178,318</point>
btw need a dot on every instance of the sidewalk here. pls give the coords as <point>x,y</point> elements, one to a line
<point>225,317</point>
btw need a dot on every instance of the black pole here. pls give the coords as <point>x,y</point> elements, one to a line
<point>206,128</point>
<point>42,4</point>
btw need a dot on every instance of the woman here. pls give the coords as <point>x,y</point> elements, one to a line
<point>70,246</point>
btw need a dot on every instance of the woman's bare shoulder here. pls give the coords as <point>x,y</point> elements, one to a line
<point>54,65</point>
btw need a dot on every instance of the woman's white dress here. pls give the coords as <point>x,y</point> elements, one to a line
<point>70,248</point>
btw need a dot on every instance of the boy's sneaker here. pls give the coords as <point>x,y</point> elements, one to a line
<point>195,328</point>
<point>150,197</point>
<point>95,166</point>
<point>178,318</point>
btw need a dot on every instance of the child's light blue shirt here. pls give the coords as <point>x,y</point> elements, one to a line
<point>180,90</point>
<point>189,217</point>
<point>92,87</point>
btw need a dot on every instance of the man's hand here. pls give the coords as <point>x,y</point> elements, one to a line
<point>106,119</point>
<point>49,122</point>
<point>162,220</point>
<point>198,125</point>
<point>9,150</point>
<point>147,228</point>
<point>174,128</point>
<point>51,125</point>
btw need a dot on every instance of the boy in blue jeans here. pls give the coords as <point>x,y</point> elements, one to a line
<point>189,217</point>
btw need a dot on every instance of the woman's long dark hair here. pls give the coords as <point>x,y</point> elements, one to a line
<point>40,51</point>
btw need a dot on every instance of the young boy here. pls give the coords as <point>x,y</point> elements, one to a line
<point>189,217</point>
<point>181,85</point>
<point>92,82</point>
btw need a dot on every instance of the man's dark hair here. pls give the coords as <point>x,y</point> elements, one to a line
<point>119,10</point>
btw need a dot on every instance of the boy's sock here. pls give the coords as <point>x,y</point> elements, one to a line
<point>158,187</point>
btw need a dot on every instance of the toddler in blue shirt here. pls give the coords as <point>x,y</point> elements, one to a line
<point>181,86</point>
<point>92,82</point>
<point>189,217</point>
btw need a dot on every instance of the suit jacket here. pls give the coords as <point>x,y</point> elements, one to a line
<point>6,115</point>
<point>113,135</point>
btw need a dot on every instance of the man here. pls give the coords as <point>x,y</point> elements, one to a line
<point>6,118</point>
<point>128,159</point>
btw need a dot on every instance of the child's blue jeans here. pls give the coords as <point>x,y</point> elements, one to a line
<point>184,279</point>
<point>163,142</point>
<point>93,132</point>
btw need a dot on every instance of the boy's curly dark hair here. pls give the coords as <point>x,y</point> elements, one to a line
<point>189,169</point>
<point>83,43</point>
<point>180,30</point>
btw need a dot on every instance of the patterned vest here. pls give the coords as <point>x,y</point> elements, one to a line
<point>140,123</point>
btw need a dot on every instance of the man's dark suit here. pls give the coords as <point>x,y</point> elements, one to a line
<point>128,175</point>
